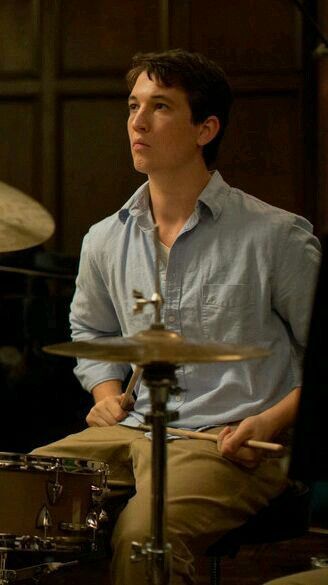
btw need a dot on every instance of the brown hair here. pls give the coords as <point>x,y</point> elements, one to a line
<point>204,82</point>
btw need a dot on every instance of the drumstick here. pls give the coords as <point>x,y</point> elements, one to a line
<point>215,438</point>
<point>130,387</point>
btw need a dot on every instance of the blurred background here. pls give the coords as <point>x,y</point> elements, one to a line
<point>63,142</point>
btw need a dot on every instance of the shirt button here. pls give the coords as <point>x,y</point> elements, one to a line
<point>178,397</point>
<point>171,318</point>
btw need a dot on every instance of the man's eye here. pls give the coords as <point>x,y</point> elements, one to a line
<point>161,106</point>
<point>132,107</point>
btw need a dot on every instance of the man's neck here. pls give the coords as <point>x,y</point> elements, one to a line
<point>173,199</point>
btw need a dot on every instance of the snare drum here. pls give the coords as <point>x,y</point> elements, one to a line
<point>49,503</point>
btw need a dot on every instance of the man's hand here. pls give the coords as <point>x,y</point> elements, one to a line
<point>232,439</point>
<point>108,412</point>
<point>262,427</point>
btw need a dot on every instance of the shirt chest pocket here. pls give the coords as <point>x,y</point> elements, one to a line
<point>227,311</point>
<point>226,295</point>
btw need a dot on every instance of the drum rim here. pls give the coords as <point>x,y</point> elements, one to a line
<point>30,462</point>
<point>32,543</point>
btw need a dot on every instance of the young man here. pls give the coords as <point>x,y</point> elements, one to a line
<point>233,269</point>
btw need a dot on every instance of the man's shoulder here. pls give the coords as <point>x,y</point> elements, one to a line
<point>254,209</point>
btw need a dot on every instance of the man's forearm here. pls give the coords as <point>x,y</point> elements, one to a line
<point>107,388</point>
<point>283,414</point>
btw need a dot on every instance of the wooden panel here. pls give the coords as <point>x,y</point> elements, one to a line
<point>179,23</point>
<point>262,150</point>
<point>19,36</point>
<point>103,35</point>
<point>96,168</point>
<point>248,34</point>
<point>18,131</point>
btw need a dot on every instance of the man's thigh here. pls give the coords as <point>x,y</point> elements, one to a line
<point>207,495</point>
<point>109,444</point>
<point>315,577</point>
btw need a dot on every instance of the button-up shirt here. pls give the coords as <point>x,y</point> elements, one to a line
<point>240,271</point>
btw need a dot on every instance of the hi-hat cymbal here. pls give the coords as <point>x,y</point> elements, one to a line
<point>23,221</point>
<point>155,346</point>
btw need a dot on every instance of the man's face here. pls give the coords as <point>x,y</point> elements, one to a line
<point>162,135</point>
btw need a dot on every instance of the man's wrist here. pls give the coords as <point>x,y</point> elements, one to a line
<point>106,389</point>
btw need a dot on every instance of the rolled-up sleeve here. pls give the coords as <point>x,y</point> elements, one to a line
<point>93,316</point>
<point>296,270</point>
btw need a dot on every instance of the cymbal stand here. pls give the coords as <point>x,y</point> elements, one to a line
<point>161,380</point>
<point>5,575</point>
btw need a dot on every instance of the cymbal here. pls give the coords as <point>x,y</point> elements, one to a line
<point>155,346</point>
<point>23,221</point>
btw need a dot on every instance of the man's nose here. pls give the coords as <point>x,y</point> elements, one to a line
<point>141,120</point>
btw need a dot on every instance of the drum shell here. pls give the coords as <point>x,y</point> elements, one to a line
<point>24,492</point>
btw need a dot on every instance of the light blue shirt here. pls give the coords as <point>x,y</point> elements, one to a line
<point>240,271</point>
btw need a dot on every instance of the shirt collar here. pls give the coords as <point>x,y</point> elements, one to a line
<point>211,197</point>
<point>137,205</point>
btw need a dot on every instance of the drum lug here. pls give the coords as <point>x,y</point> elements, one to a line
<point>99,495</point>
<point>96,493</point>
<point>103,517</point>
<point>44,519</point>
<point>92,520</point>
<point>54,491</point>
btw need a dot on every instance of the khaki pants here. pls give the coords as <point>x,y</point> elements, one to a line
<point>316,577</point>
<point>207,495</point>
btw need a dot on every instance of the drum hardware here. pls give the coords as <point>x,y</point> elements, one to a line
<point>92,520</point>
<point>160,380</point>
<point>92,524</point>
<point>54,491</point>
<point>76,490</point>
<point>103,517</point>
<point>54,488</point>
<point>4,574</point>
<point>44,521</point>
<point>32,543</point>
<point>34,572</point>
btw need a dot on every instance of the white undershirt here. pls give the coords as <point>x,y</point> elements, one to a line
<point>164,252</point>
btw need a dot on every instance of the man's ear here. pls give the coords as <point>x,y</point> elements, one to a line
<point>208,130</point>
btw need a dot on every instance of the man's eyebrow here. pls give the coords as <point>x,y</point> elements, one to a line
<point>153,97</point>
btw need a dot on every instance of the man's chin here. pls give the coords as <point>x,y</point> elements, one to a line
<point>141,167</point>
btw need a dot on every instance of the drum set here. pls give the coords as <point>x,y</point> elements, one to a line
<point>55,504</point>
<point>48,506</point>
